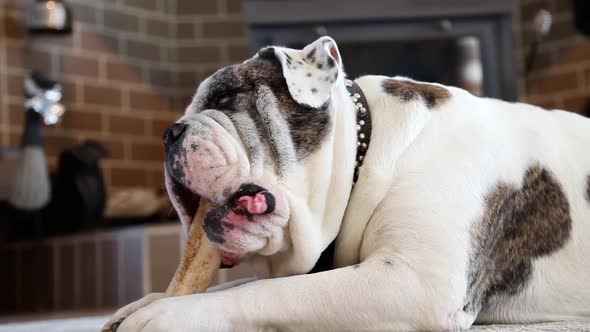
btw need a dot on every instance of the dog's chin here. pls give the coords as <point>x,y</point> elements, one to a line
<point>251,220</point>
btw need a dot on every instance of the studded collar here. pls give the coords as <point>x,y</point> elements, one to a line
<point>363,137</point>
<point>363,125</point>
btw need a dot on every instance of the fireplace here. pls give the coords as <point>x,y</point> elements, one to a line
<point>456,42</point>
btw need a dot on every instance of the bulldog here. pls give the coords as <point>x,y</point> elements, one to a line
<point>463,209</point>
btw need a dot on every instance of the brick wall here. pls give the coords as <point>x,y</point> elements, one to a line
<point>561,77</point>
<point>131,66</point>
<point>128,70</point>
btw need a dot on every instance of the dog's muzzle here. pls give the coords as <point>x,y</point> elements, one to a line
<point>204,160</point>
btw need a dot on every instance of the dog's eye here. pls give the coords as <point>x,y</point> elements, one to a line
<point>223,100</point>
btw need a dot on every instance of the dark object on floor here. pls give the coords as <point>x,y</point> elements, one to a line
<point>79,190</point>
<point>581,10</point>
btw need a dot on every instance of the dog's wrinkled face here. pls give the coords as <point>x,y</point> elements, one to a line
<point>247,128</point>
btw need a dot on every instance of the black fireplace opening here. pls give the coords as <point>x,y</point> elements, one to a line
<point>461,44</point>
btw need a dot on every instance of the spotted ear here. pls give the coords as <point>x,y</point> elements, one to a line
<point>311,73</point>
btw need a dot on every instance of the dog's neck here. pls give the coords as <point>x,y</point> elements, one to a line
<point>326,180</point>
<point>363,138</point>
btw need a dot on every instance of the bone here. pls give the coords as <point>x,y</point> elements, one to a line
<point>200,262</point>
<point>198,266</point>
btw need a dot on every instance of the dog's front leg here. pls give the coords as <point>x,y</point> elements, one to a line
<point>382,293</point>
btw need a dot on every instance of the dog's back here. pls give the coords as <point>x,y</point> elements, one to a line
<point>515,177</point>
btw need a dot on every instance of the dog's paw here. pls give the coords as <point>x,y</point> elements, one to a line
<point>177,314</point>
<point>121,314</point>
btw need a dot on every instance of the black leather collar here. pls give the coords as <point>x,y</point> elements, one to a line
<point>363,137</point>
<point>363,125</point>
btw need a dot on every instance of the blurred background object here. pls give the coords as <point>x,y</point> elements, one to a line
<point>541,27</point>
<point>50,16</point>
<point>79,190</point>
<point>581,10</point>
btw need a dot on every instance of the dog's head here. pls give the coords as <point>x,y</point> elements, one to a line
<point>244,140</point>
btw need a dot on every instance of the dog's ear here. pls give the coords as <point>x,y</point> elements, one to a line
<point>311,73</point>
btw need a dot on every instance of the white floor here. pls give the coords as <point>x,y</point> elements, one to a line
<point>86,322</point>
<point>63,322</point>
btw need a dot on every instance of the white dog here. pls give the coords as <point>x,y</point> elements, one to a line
<point>465,209</point>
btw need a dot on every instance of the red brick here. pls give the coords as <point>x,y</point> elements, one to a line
<point>553,83</point>
<point>575,53</point>
<point>238,53</point>
<point>140,100</point>
<point>115,148</point>
<point>126,124</point>
<point>98,42</point>
<point>51,41</point>
<point>16,114</point>
<point>233,6</point>
<point>159,126</point>
<point>196,7</point>
<point>14,85</point>
<point>161,78</point>
<point>185,30</point>
<point>15,57</point>
<point>102,95</point>
<point>119,71</point>
<point>157,27</point>
<point>546,103</point>
<point>121,22</point>
<point>157,180</point>
<point>129,177</point>
<point>40,60</point>
<point>561,30</point>
<point>576,104</point>
<point>224,30</point>
<point>198,54</point>
<point>78,65</point>
<point>55,144</point>
<point>84,13</point>
<point>187,79</point>
<point>12,27</point>
<point>150,5</point>
<point>70,92</point>
<point>147,152</point>
<point>15,139</point>
<point>143,50</point>
<point>82,120</point>
<point>543,60</point>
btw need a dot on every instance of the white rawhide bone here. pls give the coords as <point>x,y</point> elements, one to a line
<point>196,270</point>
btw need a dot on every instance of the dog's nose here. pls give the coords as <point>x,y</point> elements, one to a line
<point>173,133</point>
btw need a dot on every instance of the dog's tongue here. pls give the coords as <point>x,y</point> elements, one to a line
<point>200,261</point>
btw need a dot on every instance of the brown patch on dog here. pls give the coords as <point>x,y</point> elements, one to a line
<point>588,189</point>
<point>432,95</point>
<point>519,225</point>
